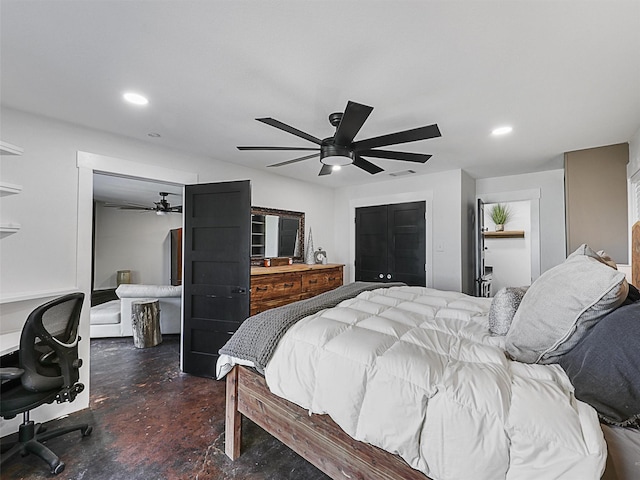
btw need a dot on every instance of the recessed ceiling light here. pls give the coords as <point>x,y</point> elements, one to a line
<point>502,130</point>
<point>135,98</point>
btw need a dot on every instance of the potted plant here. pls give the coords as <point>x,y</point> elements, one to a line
<point>500,215</point>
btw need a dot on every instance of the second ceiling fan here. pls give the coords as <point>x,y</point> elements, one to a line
<point>341,149</point>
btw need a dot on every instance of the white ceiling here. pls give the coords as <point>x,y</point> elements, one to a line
<point>565,74</point>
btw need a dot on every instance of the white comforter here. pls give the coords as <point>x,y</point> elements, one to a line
<point>414,371</point>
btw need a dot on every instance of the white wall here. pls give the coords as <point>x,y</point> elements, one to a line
<point>133,240</point>
<point>41,260</point>
<point>510,257</point>
<point>551,200</point>
<point>441,191</point>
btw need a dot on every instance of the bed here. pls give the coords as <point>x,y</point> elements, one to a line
<point>411,382</point>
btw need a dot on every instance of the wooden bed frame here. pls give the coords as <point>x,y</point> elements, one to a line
<point>316,438</point>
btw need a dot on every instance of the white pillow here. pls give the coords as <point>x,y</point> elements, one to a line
<point>562,305</point>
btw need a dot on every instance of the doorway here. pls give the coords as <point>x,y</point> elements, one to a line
<point>511,258</point>
<point>507,254</point>
<point>88,164</point>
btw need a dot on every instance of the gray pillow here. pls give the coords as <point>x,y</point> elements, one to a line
<point>604,367</point>
<point>561,306</point>
<point>503,307</point>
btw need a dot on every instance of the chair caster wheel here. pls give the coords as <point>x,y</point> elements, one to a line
<point>87,431</point>
<point>58,468</point>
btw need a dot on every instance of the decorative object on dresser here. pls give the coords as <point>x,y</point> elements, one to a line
<point>275,286</point>
<point>309,258</point>
<point>320,256</point>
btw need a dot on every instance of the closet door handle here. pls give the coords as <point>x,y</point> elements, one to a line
<point>381,275</point>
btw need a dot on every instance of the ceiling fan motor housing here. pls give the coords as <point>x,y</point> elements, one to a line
<point>331,154</point>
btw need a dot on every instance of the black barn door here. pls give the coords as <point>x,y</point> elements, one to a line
<point>391,243</point>
<point>217,270</point>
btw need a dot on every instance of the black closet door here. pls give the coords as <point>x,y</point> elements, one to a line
<point>371,244</point>
<point>217,270</point>
<point>406,247</point>
<point>391,243</point>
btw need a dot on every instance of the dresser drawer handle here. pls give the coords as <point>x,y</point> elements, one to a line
<point>313,281</point>
<point>331,279</point>
<point>262,289</point>
<point>288,285</point>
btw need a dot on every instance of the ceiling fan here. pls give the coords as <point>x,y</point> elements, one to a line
<point>162,207</point>
<point>340,149</point>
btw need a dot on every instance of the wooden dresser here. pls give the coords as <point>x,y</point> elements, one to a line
<point>275,286</point>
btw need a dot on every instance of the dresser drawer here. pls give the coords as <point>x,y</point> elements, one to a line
<point>321,281</point>
<point>275,286</point>
<point>262,305</point>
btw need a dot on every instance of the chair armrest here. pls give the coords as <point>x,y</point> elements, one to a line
<point>9,373</point>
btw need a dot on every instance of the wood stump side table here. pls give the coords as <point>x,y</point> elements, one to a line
<point>145,323</point>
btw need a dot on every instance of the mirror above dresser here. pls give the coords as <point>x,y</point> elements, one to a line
<point>276,233</point>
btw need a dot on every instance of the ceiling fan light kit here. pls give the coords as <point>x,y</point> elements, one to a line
<point>341,149</point>
<point>331,154</point>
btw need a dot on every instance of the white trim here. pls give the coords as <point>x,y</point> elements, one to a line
<point>424,196</point>
<point>117,166</point>
<point>533,196</point>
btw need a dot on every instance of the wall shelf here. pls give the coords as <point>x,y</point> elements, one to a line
<point>8,149</point>
<point>9,227</point>
<point>9,188</point>
<point>505,234</point>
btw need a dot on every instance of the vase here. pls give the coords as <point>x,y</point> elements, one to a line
<point>499,227</point>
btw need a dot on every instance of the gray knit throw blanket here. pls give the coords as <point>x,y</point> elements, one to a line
<point>257,336</point>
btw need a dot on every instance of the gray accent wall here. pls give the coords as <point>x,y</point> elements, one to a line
<point>596,200</point>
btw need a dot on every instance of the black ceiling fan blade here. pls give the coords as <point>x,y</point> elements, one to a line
<point>413,135</point>
<point>352,120</point>
<point>125,207</point>
<point>289,129</point>
<point>325,170</point>
<point>288,162</point>
<point>365,165</point>
<point>277,148</point>
<point>391,155</point>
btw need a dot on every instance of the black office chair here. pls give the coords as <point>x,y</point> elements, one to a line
<point>48,370</point>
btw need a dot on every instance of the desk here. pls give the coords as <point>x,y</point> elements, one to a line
<point>9,342</point>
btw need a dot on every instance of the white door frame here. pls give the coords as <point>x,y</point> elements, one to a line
<point>533,196</point>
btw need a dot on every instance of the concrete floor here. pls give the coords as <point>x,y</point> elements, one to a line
<point>150,421</point>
